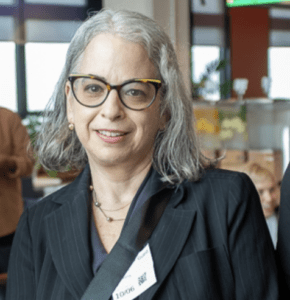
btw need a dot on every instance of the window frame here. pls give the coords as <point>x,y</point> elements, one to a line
<point>22,11</point>
<point>214,21</point>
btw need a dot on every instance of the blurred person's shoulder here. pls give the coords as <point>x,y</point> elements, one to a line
<point>7,114</point>
<point>6,111</point>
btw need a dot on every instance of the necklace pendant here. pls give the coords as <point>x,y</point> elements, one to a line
<point>97,204</point>
<point>109,219</point>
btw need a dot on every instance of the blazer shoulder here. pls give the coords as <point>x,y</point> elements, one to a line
<point>46,202</point>
<point>221,175</point>
<point>223,186</point>
<point>51,202</point>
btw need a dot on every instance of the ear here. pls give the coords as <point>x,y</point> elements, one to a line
<point>164,119</point>
<point>69,103</point>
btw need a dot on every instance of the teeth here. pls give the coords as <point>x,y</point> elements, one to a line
<point>110,133</point>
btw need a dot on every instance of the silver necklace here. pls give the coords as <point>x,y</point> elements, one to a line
<point>98,205</point>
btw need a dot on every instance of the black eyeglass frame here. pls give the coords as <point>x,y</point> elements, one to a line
<point>155,82</point>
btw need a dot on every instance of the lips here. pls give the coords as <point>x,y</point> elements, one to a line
<point>111,136</point>
<point>110,133</point>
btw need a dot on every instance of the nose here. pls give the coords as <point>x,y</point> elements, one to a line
<point>112,108</point>
<point>274,197</point>
<point>267,197</point>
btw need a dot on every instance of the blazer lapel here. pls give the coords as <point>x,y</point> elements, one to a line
<point>68,235</point>
<point>167,242</point>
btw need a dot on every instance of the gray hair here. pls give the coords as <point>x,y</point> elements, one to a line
<point>176,151</point>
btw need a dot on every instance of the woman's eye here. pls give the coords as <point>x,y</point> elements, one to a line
<point>93,88</point>
<point>272,190</point>
<point>135,93</point>
<point>260,192</point>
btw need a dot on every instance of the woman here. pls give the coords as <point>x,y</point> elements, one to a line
<point>143,220</point>
<point>268,191</point>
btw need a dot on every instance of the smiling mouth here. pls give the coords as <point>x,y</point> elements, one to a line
<point>111,133</point>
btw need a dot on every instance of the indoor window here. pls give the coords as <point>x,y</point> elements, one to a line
<point>44,63</point>
<point>8,75</point>
<point>279,66</point>
<point>202,57</point>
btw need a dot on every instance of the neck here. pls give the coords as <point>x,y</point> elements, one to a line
<point>117,186</point>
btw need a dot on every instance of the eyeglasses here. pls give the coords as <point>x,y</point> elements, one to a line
<point>135,94</point>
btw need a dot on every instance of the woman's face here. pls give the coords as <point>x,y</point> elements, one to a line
<point>115,60</point>
<point>268,192</point>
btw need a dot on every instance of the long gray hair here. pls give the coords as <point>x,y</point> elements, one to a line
<point>176,151</point>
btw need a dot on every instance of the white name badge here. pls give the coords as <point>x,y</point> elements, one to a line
<point>139,277</point>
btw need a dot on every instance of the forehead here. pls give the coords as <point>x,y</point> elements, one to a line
<point>266,183</point>
<point>115,58</point>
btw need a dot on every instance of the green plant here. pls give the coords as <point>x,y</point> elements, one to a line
<point>32,123</point>
<point>212,67</point>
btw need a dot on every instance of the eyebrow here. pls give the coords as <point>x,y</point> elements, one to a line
<point>127,80</point>
<point>104,79</point>
<point>100,77</point>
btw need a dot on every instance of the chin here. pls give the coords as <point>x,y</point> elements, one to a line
<point>268,214</point>
<point>110,160</point>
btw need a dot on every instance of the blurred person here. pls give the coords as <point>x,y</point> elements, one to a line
<point>283,245</point>
<point>268,191</point>
<point>14,164</point>
<point>147,203</point>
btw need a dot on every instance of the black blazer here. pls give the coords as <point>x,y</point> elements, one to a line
<point>283,245</point>
<point>211,243</point>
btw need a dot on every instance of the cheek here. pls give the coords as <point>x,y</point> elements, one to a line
<point>145,135</point>
<point>82,119</point>
<point>262,197</point>
<point>151,128</point>
<point>155,121</point>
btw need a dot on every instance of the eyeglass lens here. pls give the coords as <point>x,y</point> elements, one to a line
<point>135,95</point>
